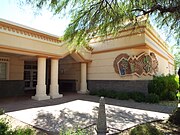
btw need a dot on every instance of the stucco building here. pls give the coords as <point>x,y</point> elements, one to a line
<point>35,61</point>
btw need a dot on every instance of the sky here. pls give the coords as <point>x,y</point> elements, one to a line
<point>47,22</point>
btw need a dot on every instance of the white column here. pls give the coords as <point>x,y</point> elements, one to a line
<point>54,87</point>
<point>41,80</point>
<point>83,85</point>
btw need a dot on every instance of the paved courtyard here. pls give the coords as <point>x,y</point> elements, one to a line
<point>77,110</point>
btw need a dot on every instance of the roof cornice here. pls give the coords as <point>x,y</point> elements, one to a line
<point>19,29</point>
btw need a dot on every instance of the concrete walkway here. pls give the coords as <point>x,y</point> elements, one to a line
<point>81,111</point>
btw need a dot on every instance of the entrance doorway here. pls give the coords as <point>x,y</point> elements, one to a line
<point>30,75</point>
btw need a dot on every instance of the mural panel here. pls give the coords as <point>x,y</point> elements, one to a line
<point>142,64</point>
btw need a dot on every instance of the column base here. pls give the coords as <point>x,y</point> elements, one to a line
<point>56,96</point>
<point>40,97</point>
<point>83,92</point>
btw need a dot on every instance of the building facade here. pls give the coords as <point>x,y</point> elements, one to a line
<point>38,62</point>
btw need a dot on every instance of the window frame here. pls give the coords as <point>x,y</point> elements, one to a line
<point>5,60</point>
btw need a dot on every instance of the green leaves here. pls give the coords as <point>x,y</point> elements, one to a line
<point>92,18</point>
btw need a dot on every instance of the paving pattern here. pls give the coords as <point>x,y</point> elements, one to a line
<point>81,111</point>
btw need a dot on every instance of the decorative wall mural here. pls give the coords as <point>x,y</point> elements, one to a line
<point>142,64</point>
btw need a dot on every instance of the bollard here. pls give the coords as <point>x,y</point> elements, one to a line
<point>101,121</point>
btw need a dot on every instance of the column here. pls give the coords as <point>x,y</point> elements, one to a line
<point>83,85</point>
<point>54,87</point>
<point>41,80</point>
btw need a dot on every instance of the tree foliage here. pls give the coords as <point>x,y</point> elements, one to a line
<point>90,18</point>
<point>177,60</point>
<point>175,49</point>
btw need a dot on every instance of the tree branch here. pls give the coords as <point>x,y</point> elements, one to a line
<point>160,8</point>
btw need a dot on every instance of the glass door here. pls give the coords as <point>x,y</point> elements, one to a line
<point>30,76</point>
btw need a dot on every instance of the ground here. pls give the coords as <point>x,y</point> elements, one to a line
<point>164,126</point>
<point>81,110</point>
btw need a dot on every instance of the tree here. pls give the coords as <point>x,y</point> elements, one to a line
<point>90,18</point>
<point>177,60</point>
<point>175,50</point>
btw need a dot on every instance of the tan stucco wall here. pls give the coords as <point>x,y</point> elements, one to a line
<point>71,70</point>
<point>165,67</point>
<point>101,67</point>
<point>124,40</point>
<point>16,69</point>
<point>166,60</point>
<point>162,65</point>
<point>104,53</point>
<point>29,46</point>
<point>15,66</point>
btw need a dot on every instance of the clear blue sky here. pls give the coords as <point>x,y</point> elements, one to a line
<point>11,10</point>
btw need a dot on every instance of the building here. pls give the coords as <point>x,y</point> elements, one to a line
<point>32,60</point>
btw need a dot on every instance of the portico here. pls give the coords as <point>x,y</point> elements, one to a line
<point>27,44</point>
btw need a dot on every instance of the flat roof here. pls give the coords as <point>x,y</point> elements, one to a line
<point>28,28</point>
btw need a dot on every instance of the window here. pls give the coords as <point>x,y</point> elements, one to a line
<point>4,68</point>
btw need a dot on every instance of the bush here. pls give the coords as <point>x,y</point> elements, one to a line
<point>123,95</point>
<point>23,131</point>
<point>171,96</point>
<point>105,93</point>
<point>152,98</point>
<point>164,86</point>
<point>177,81</point>
<point>1,111</point>
<point>6,130</point>
<point>145,129</point>
<point>111,94</point>
<point>4,127</point>
<point>72,132</point>
<point>138,96</point>
<point>101,92</point>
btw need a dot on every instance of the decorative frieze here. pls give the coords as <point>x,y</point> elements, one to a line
<point>142,64</point>
<point>4,59</point>
<point>6,27</point>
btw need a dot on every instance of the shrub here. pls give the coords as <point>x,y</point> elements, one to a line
<point>171,95</point>
<point>137,96</point>
<point>73,132</point>
<point>1,111</point>
<point>6,130</point>
<point>156,85</point>
<point>102,92</point>
<point>23,131</point>
<point>4,127</point>
<point>145,129</point>
<point>112,94</point>
<point>164,86</point>
<point>92,93</point>
<point>177,81</point>
<point>123,95</point>
<point>152,98</point>
<point>96,92</point>
<point>105,93</point>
